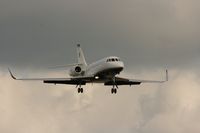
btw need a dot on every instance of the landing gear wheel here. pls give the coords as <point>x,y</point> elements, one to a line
<point>80,90</point>
<point>113,91</point>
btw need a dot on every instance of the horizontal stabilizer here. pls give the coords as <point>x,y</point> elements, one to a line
<point>65,66</point>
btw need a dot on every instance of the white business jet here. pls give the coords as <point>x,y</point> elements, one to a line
<point>101,71</point>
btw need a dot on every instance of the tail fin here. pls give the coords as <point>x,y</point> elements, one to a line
<point>81,58</point>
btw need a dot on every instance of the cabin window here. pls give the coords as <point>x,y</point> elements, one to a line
<point>113,59</point>
<point>108,60</point>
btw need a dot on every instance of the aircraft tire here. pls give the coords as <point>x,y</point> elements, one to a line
<point>79,90</point>
<point>115,91</point>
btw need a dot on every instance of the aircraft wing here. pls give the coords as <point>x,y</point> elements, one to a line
<point>73,81</point>
<point>125,81</point>
<point>82,80</point>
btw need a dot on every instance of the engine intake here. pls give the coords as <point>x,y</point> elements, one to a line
<point>78,69</point>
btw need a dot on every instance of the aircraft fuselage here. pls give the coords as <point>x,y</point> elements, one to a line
<point>108,66</point>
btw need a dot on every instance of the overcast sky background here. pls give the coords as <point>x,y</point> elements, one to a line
<point>148,35</point>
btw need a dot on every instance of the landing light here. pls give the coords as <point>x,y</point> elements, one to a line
<point>96,77</point>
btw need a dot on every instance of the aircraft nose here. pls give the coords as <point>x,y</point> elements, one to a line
<point>121,64</point>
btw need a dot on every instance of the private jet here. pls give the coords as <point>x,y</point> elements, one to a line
<point>102,71</point>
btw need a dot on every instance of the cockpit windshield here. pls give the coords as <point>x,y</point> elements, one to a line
<point>112,59</point>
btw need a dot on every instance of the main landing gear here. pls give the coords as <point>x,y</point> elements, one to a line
<point>115,87</point>
<point>114,90</point>
<point>80,90</point>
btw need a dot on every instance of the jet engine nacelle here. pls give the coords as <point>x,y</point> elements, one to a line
<point>76,71</point>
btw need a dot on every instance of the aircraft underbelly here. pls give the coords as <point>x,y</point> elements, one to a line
<point>109,71</point>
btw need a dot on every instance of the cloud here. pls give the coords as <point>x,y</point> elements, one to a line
<point>37,107</point>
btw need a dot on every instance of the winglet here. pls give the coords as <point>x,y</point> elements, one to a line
<point>11,74</point>
<point>167,77</point>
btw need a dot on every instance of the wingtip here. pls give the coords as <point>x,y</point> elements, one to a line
<point>167,77</point>
<point>11,74</point>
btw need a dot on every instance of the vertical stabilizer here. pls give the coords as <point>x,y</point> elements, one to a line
<point>81,58</point>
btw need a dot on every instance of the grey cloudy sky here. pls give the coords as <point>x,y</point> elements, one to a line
<point>149,35</point>
<point>154,33</point>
